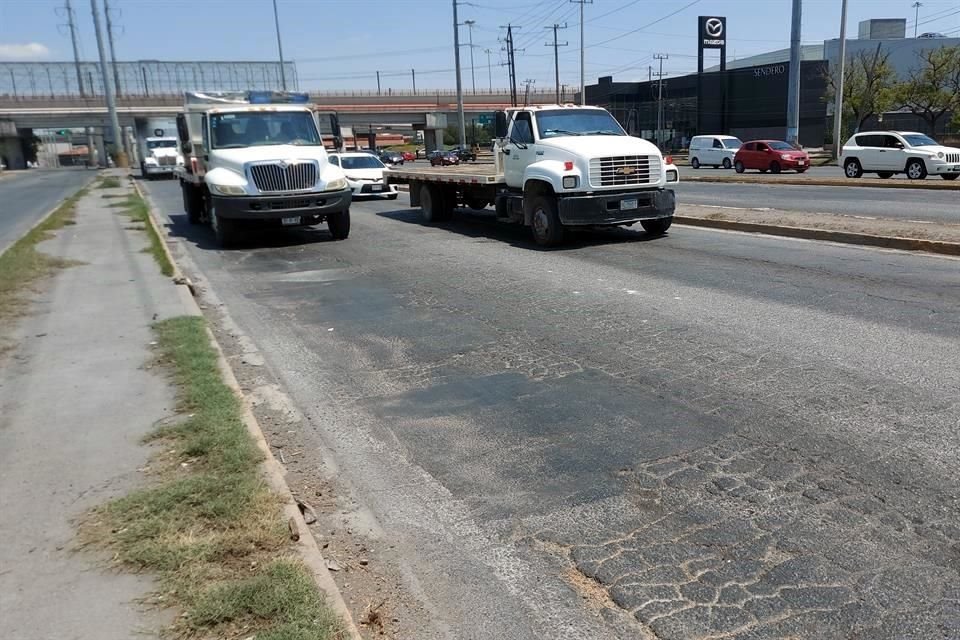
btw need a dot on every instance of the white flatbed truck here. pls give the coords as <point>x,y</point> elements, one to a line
<point>555,167</point>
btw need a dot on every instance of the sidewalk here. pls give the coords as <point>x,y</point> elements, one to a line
<point>76,397</point>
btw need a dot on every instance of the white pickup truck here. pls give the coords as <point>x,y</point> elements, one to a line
<point>555,167</point>
<point>256,158</point>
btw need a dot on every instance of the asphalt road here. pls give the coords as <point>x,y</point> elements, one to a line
<point>25,198</point>
<point>898,204</point>
<point>702,435</point>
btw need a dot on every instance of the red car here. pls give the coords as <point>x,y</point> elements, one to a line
<point>409,156</point>
<point>770,155</point>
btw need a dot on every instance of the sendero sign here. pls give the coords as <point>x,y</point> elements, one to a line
<point>772,70</point>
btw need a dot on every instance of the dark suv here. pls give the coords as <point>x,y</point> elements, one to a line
<point>391,157</point>
<point>465,154</point>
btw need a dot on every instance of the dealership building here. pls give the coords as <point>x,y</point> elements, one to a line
<point>747,98</point>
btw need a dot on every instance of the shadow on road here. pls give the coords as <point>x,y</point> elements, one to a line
<point>201,236</point>
<point>485,226</point>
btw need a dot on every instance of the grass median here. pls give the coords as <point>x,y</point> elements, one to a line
<point>137,208</point>
<point>207,524</point>
<point>22,265</point>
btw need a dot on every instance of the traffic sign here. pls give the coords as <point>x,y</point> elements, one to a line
<point>484,118</point>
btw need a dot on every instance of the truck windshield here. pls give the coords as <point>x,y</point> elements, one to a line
<point>262,128</point>
<point>161,144</point>
<point>577,122</point>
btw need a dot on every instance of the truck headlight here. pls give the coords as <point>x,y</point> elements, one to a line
<point>228,189</point>
<point>673,175</point>
<point>570,182</point>
<point>336,184</point>
<point>149,161</point>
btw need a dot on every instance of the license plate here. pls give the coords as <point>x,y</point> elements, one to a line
<point>626,205</point>
<point>801,161</point>
<point>288,221</point>
<point>376,187</point>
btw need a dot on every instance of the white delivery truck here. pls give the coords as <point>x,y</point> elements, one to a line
<point>555,167</point>
<point>255,159</point>
<point>157,147</point>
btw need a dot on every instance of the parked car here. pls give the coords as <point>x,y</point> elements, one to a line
<point>391,157</point>
<point>443,158</point>
<point>409,156</point>
<point>718,151</point>
<point>421,152</point>
<point>364,174</point>
<point>465,154</point>
<point>888,152</point>
<point>770,155</point>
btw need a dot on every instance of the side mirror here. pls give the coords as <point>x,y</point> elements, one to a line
<point>500,124</point>
<point>187,148</point>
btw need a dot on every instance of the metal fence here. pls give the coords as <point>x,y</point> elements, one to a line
<point>140,78</point>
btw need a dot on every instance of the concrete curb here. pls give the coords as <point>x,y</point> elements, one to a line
<point>273,471</point>
<point>831,182</point>
<point>846,237</point>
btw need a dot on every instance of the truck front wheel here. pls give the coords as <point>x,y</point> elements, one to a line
<point>656,227</point>
<point>545,221</point>
<point>339,224</point>
<point>192,203</point>
<point>225,230</point>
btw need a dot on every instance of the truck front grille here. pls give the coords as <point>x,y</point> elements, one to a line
<point>166,161</point>
<point>275,177</point>
<point>624,170</point>
<point>953,157</point>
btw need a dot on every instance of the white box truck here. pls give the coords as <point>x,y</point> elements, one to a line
<point>555,167</point>
<point>256,159</point>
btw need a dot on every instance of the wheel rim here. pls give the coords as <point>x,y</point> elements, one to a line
<point>541,223</point>
<point>726,163</point>
<point>695,163</point>
<point>914,170</point>
<point>851,170</point>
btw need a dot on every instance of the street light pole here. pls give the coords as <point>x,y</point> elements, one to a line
<point>838,102</point>
<point>276,23</point>
<point>793,88</point>
<point>456,58</point>
<point>473,78</point>
<point>108,90</point>
<point>583,93</point>
<point>489,72</point>
<point>916,17</point>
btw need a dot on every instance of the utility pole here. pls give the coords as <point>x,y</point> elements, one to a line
<point>456,58</point>
<point>793,94</point>
<point>413,74</point>
<point>661,57</point>
<point>76,52</point>
<point>378,83</point>
<point>489,72</point>
<point>473,78</point>
<point>526,93</point>
<point>108,90</point>
<point>511,64</point>
<point>916,17</point>
<point>583,93</point>
<point>113,52</point>
<point>556,55</point>
<point>276,24</point>
<point>838,102</point>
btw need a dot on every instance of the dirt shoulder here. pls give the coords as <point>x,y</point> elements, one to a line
<point>916,230</point>
<point>931,183</point>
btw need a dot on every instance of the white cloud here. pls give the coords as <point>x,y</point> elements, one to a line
<point>28,51</point>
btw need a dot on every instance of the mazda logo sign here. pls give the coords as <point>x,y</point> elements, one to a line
<point>714,27</point>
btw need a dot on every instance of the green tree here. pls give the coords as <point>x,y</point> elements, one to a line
<point>868,88</point>
<point>933,88</point>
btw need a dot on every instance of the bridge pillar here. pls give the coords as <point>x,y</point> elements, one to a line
<point>11,146</point>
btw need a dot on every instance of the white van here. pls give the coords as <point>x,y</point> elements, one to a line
<point>713,150</point>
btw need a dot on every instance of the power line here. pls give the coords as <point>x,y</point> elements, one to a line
<point>650,24</point>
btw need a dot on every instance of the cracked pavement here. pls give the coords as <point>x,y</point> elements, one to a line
<point>708,435</point>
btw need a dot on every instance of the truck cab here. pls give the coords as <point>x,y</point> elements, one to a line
<point>159,157</point>
<point>568,165</point>
<point>257,159</point>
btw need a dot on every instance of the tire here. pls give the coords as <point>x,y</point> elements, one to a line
<point>656,227</point>
<point>916,170</point>
<point>950,176</point>
<point>545,221</point>
<point>192,203</point>
<point>775,167</point>
<point>225,231</point>
<point>884,175</point>
<point>433,204</point>
<point>339,224</point>
<point>695,163</point>
<point>476,204</point>
<point>852,168</point>
<point>738,167</point>
<point>726,163</point>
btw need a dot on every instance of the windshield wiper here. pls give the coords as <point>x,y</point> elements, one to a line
<point>603,132</point>
<point>564,132</point>
<point>231,146</point>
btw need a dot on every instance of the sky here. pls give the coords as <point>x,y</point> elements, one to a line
<point>339,45</point>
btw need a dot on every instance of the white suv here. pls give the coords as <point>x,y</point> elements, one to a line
<point>888,152</point>
<point>713,150</point>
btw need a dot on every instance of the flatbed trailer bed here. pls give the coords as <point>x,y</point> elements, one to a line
<point>478,174</point>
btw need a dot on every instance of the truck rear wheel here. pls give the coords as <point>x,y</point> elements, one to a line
<point>656,227</point>
<point>477,204</point>
<point>339,224</point>
<point>192,203</point>
<point>433,204</point>
<point>545,222</point>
